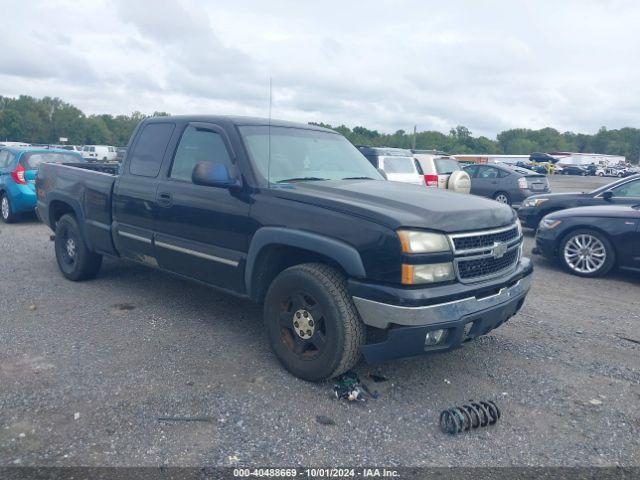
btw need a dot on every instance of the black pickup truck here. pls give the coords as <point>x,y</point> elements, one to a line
<point>346,263</point>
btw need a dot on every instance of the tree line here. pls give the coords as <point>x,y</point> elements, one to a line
<point>45,120</point>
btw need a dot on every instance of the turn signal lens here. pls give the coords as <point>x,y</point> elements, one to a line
<point>427,273</point>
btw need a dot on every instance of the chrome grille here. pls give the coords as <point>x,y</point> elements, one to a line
<point>486,254</point>
<point>485,240</point>
<point>486,266</point>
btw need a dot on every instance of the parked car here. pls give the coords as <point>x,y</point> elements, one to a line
<point>442,171</point>
<point>397,163</point>
<point>573,170</point>
<point>510,185</point>
<point>99,153</point>
<point>619,172</point>
<point>18,167</point>
<point>590,241</point>
<point>73,148</point>
<point>307,227</point>
<point>625,192</point>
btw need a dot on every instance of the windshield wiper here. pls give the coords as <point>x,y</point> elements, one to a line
<point>301,179</point>
<point>358,178</point>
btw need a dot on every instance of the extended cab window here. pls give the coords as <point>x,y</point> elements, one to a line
<point>198,145</point>
<point>148,151</point>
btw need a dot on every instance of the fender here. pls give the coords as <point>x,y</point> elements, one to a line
<point>343,253</point>
<point>75,206</point>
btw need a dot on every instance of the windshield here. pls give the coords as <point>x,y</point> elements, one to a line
<point>30,161</point>
<point>446,165</point>
<point>399,165</point>
<point>298,154</point>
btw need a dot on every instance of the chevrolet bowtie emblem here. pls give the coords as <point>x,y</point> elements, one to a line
<point>499,249</point>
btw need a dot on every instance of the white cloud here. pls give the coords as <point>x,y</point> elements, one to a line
<point>383,64</point>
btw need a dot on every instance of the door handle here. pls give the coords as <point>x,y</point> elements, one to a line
<point>164,199</point>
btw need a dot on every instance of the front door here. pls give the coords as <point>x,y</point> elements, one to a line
<point>202,231</point>
<point>487,181</point>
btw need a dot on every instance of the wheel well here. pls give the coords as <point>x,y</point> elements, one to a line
<point>57,209</point>
<point>273,259</point>
<point>587,227</point>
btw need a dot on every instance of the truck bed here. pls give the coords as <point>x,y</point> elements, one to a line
<point>88,188</point>
<point>108,168</point>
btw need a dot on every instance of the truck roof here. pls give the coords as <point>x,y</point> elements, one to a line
<point>231,120</point>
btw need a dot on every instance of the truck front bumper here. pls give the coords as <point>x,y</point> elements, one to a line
<point>470,315</point>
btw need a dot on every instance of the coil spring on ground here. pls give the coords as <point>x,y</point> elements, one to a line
<point>472,415</point>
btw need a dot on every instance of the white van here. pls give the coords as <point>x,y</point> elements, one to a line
<point>397,163</point>
<point>99,153</point>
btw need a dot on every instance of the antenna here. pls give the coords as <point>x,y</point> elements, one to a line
<point>269,139</point>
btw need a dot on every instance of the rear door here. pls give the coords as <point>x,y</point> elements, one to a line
<point>134,196</point>
<point>202,231</point>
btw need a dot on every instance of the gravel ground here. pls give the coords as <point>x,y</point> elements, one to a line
<point>86,370</point>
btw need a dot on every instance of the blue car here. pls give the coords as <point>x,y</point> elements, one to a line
<point>18,168</point>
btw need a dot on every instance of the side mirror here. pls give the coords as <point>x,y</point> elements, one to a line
<point>608,195</point>
<point>213,175</point>
<point>383,173</point>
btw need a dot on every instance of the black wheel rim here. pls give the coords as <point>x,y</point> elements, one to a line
<point>68,248</point>
<point>302,325</point>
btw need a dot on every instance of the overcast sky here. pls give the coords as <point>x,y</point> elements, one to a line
<point>488,65</point>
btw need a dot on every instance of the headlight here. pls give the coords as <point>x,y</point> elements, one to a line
<point>427,273</point>
<point>422,242</point>
<point>548,223</point>
<point>534,202</point>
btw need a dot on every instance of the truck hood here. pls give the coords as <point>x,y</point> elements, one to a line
<point>395,204</point>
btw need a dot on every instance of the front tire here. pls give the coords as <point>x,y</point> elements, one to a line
<point>587,253</point>
<point>5,209</point>
<point>312,323</point>
<point>75,260</point>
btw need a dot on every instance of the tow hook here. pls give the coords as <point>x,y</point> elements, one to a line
<point>52,238</point>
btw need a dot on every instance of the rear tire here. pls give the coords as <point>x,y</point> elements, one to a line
<point>312,323</point>
<point>502,197</point>
<point>5,209</point>
<point>75,260</point>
